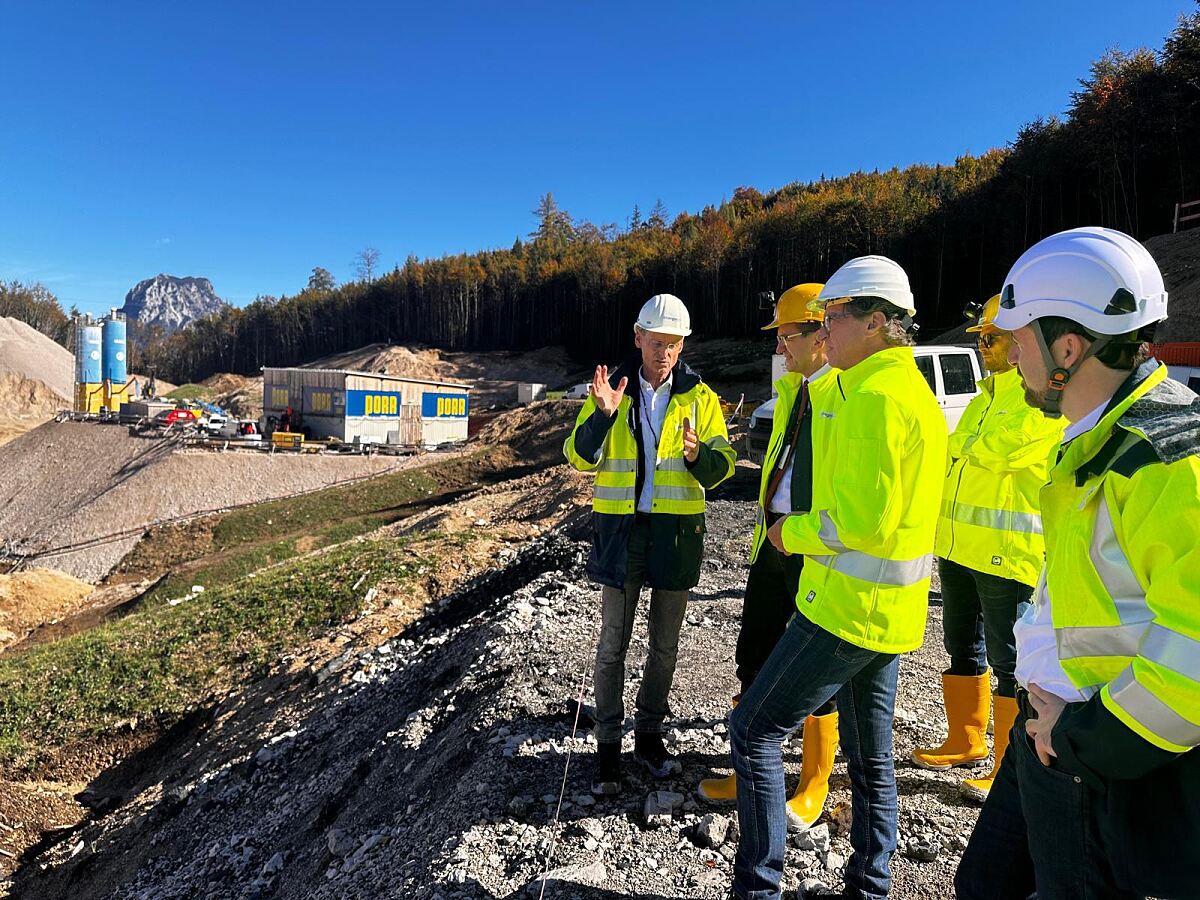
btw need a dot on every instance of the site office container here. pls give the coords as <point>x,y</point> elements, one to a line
<point>365,407</point>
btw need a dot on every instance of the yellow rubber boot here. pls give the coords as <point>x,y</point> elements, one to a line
<point>1005,711</point>
<point>967,699</point>
<point>820,747</point>
<point>720,790</point>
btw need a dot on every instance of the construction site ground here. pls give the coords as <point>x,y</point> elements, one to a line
<point>389,715</point>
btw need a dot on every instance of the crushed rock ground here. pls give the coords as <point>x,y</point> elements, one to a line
<point>430,765</point>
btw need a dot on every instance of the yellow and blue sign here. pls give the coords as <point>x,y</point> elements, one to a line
<point>443,406</point>
<point>372,403</point>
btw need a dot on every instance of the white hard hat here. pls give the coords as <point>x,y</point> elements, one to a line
<point>1101,278</point>
<point>869,276</point>
<point>666,314</point>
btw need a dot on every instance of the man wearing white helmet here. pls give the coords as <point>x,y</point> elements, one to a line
<point>654,451</point>
<point>1100,796</point>
<point>879,450</point>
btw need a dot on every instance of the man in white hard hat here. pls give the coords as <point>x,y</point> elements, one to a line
<point>655,450</point>
<point>863,595</point>
<point>1099,794</point>
<point>786,487</point>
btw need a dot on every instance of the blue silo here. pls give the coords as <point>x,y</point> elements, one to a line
<point>114,368</point>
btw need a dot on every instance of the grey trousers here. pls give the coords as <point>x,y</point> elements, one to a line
<point>665,619</point>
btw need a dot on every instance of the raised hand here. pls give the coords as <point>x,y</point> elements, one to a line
<point>691,442</point>
<point>606,396</point>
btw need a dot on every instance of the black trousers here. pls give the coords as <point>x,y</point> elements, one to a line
<point>1044,830</point>
<point>769,605</point>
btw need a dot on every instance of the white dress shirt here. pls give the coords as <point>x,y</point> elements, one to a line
<point>781,502</point>
<point>1037,650</point>
<point>653,413</point>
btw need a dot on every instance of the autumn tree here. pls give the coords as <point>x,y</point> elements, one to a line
<point>365,263</point>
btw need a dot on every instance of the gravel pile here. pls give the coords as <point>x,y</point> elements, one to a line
<point>67,488</point>
<point>26,351</point>
<point>430,766</point>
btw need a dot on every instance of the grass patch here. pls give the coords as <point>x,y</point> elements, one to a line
<point>246,540</point>
<point>379,496</point>
<point>159,661</point>
<point>191,392</point>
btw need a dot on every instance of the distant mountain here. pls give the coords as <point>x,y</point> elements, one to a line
<point>171,303</point>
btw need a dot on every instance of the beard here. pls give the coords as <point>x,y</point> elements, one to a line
<point>1035,398</point>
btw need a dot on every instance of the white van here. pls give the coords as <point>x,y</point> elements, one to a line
<point>578,391</point>
<point>951,371</point>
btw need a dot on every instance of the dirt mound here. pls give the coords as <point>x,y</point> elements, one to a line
<point>410,363</point>
<point>239,395</point>
<point>225,382</point>
<point>27,352</point>
<point>25,403</point>
<point>494,375</point>
<point>535,432</point>
<point>545,499</point>
<point>1178,255</point>
<point>31,598</point>
<point>22,396</point>
<point>245,402</point>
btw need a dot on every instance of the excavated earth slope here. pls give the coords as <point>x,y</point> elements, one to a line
<point>78,496</point>
<point>429,766</point>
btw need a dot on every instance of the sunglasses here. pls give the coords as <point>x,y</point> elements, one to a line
<point>986,340</point>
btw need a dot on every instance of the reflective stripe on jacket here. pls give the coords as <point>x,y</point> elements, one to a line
<point>879,458</point>
<point>1122,519</point>
<point>999,459</point>
<point>609,447</point>
<point>787,390</point>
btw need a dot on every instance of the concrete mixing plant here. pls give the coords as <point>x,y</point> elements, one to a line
<point>100,364</point>
<point>89,392</point>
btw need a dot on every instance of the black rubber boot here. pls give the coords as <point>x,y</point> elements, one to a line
<point>606,782</point>
<point>649,750</point>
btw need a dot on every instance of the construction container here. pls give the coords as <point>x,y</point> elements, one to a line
<point>287,440</point>
<point>113,363</point>
<point>367,407</point>
<point>89,387</point>
<point>530,393</point>
<point>145,408</point>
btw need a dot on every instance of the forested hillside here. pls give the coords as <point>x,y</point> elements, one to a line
<point>34,305</point>
<point>1122,155</point>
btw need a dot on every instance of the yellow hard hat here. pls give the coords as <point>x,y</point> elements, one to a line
<point>793,306</point>
<point>987,316</point>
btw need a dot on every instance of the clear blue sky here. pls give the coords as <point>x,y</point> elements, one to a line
<point>248,142</point>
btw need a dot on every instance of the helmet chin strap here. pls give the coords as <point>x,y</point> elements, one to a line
<point>1052,405</point>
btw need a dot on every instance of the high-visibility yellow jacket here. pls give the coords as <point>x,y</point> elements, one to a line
<point>1122,517</point>
<point>877,485</point>
<point>611,447</point>
<point>999,459</point>
<point>787,391</point>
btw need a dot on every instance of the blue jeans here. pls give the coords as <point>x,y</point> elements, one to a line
<point>978,612</point>
<point>808,666</point>
<point>1036,835</point>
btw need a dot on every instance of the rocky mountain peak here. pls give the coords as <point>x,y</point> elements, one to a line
<point>170,302</point>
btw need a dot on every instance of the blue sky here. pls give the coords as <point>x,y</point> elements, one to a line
<point>250,142</point>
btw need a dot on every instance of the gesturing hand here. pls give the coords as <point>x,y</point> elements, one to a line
<point>691,442</point>
<point>606,396</point>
